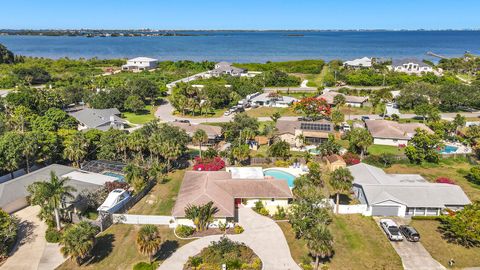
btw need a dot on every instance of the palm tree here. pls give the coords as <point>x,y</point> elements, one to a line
<point>29,149</point>
<point>319,242</point>
<point>135,176</point>
<point>122,145</point>
<point>51,195</point>
<point>201,215</point>
<point>148,240</point>
<point>78,240</point>
<point>136,142</point>
<point>241,152</point>
<point>341,181</point>
<point>76,149</point>
<point>200,137</point>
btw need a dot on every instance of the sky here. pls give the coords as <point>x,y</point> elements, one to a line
<point>240,14</point>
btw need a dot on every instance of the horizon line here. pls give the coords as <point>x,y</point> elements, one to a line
<point>241,30</point>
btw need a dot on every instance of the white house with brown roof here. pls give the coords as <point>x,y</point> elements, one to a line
<point>227,193</point>
<point>352,101</point>
<point>214,133</point>
<point>393,133</point>
<point>313,132</point>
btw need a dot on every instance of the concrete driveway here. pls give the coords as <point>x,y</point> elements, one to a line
<point>414,256</point>
<point>32,252</point>
<point>261,234</point>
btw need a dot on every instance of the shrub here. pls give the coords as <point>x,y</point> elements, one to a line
<point>238,229</point>
<point>474,175</point>
<point>8,232</point>
<point>52,235</point>
<point>145,266</point>
<point>215,164</point>
<point>258,206</point>
<point>445,180</point>
<point>425,218</point>
<point>351,158</point>
<point>281,163</point>
<point>280,214</point>
<point>115,185</point>
<point>184,231</point>
<point>264,212</point>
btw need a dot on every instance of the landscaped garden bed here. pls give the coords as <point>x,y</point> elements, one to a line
<point>234,255</point>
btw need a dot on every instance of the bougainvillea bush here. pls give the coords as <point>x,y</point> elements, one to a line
<point>445,180</point>
<point>351,158</point>
<point>213,164</point>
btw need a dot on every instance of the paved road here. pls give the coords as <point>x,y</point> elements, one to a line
<point>165,113</point>
<point>32,251</point>
<point>414,256</point>
<point>261,234</point>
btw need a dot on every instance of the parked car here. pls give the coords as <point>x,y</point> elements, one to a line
<point>365,118</point>
<point>391,230</point>
<point>183,121</point>
<point>410,233</point>
<point>345,126</point>
<point>227,113</point>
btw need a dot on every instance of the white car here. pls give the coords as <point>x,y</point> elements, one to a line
<point>391,230</point>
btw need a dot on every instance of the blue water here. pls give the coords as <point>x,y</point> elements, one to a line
<point>281,175</point>
<point>449,149</point>
<point>121,178</point>
<point>253,46</point>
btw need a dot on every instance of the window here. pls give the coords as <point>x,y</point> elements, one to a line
<point>273,199</point>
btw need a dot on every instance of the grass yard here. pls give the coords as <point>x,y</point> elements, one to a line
<point>160,200</point>
<point>376,149</point>
<point>211,114</point>
<point>116,249</point>
<point>269,111</point>
<point>358,244</point>
<point>355,110</point>
<point>143,117</point>
<point>455,169</point>
<point>441,250</point>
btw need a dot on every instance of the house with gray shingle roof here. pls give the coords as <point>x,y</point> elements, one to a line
<point>102,119</point>
<point>225,68</point>
<point>392,133</point>
<point>403,194</point>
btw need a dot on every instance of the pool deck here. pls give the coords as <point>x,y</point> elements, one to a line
<point>294,171</point>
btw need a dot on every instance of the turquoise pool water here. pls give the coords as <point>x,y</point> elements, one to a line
<point>121,178</point>
<point>448,149</point>
<point>281,175</point>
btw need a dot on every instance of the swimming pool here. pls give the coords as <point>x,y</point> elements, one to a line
<point>448,149</point>
<point>121,178</point>
<point>281,175</point>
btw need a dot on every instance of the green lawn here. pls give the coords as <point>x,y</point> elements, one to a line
<point>358,244</point>
<point>455,169</point>
<point>214,113</point>
<point>376,149</point>
<point>316,80</point>
<point>160,200</point>
<point>441,250</point>
<point>269,111</point>
<point>143,117</point>
<point>116,249</point>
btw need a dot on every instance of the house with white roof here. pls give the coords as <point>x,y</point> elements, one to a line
<point>364,62</point>
<point>273,100</point>
<point>140,63</point>
<point>352,101</point>
<point>411,66</point>
<point>402,195</point>
<point>392,133</point>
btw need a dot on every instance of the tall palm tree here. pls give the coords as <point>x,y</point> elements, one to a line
<point>135,176</point>
<point>201,215</point>
<point>341,181</point>
<point>319,242</point>
<point>200,137</point>
<point>122,145</point>
<point>148,240</point>
<point>78,240</point>
<point>51,195</point>
<point>137,142</point>
<point>76,149</point>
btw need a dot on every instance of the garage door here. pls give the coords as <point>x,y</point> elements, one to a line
<point>385,210</point>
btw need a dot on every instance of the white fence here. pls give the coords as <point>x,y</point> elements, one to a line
<point>142,219</point>
<point>350,209</point>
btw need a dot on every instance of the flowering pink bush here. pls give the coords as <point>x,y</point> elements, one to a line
<point>445,180</point>
<point>351,158</point>
<point>214,164</point>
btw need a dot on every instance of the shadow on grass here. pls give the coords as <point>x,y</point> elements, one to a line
<point>166,250</point>
<point>102,249</point>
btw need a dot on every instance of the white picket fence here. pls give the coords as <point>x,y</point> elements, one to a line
<point>142,219</point>
<point>350,209</point>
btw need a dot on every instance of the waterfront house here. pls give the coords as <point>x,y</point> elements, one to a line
<point>140,63</point>
<point>364,62</point>
<point>402,195</point>
<point>228,192</point>
<point>225,68</point>
<point>352,101</point>
<point>392,133</point>
<point>101,119</point>
<point>411,66</point>
<point>299,133</point>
